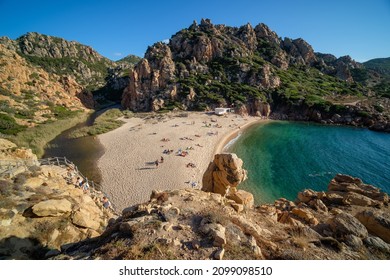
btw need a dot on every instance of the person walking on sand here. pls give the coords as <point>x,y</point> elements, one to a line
<point>156,163</point>
<point>162,160</point>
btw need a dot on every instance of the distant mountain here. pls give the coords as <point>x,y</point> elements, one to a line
<point>380,65</point>
<point>131,59</point>
<point>255,71</point>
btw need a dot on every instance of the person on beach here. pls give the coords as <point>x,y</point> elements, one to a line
<point>162,160</point>
<point>156,163</point>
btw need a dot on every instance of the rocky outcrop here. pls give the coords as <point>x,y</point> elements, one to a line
<point>377,223</point>
<point>223,176</point>
<point>151,75</point>
<point>41,211</point>
<point>300,51</point>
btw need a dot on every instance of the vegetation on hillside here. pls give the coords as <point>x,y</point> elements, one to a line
<point>105,122</point>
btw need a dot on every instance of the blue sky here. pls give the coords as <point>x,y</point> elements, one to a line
<point>115,28</point>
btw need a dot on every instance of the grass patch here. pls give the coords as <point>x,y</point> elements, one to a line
<point>37,137</point>
<point>104,123</point>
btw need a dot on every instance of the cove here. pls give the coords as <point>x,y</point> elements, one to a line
<point>284,158</point>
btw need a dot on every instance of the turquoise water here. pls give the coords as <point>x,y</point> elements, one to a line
<point>283,158</point>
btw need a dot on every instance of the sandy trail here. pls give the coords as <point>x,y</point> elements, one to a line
<point>128,171</point>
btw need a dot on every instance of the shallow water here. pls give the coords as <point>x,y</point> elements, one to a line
<point>283,158</point>
<point>84,151</point>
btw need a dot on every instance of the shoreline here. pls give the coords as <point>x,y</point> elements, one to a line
<point>220,147</point>
<point>128,169</point>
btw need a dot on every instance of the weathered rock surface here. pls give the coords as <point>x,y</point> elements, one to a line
<point>52,208</point>
<point>377,223</point>
<point>223,175</point>
<point>40,210</point>
<point>344,224</point>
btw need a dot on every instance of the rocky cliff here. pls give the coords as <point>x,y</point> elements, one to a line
<point>41,210</point>
<point>250,69</point>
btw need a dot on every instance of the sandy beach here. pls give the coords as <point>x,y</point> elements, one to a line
<point>129,172</point>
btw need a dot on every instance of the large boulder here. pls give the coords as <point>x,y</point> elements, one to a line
<point>305,215</point>
<point>243,197</point>
<point>377,243</point>
<point>224,174</point>
<point>344,224</point>
<point>87,219</point>
<point>52,208</point>
<point>377,223</point>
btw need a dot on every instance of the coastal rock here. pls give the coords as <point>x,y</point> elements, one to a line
<point>52,207</point>
<point>86,218</point>
<point>358,199</point>
<point>224,174</point>
<point>243,197</point>
<point>318,205</point>
<point>345,183</point>
<point>377,243</point>
<point>377,223</point>
<point>45,212</point>
<point>307,195</point>
<point>306,215</point>
<point>344,224</point>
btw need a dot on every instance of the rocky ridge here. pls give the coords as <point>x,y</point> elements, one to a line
<point>72,60</point>
<point>349,221</point>
<point>251,68</point>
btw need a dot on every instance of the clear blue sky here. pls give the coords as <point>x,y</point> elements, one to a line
<point>360,28</point>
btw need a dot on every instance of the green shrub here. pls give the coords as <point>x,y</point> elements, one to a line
<point>9,126</point>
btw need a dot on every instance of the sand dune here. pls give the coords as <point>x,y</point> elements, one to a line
<point>129,173</point>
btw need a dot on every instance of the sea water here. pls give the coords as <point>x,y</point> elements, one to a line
<point>283,158</point>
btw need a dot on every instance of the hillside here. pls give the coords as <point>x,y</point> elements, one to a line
<point>252,68</point>
<point>93,72</point>
<point>48,84</point>
<point>31,96</point>
<point>380,65</point>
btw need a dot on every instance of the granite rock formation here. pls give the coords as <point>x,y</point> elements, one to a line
<point>251,68</point>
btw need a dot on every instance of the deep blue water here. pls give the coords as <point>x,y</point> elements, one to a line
<point>283,158</point>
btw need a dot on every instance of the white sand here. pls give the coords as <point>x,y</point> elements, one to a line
<point>128,172</point>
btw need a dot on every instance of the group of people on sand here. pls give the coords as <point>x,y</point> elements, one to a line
<point>157,162</point>
<point>182,153</point>
<point>167,151</point>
